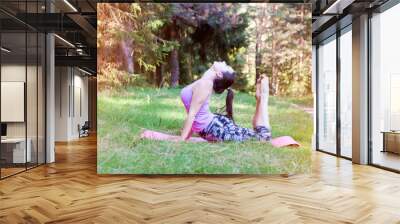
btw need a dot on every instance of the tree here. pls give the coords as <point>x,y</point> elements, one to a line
<point>213,30</point>
<point>282,46</point>
<point>173,44</point>
<point>131,29</point>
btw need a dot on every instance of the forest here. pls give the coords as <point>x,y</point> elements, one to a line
<point>168,45</point>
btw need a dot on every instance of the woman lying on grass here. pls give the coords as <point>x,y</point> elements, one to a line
<point>215,127</point>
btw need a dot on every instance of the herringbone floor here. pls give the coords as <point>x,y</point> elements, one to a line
<point>70,191</point>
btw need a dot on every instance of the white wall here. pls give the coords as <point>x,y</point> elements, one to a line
<point>62,82</point>
<point>13,101</point>
<point>16,73</point>
<point>13,72</point>
<point>70,83</point>
<point>80,83</point>
<point>33,126</point>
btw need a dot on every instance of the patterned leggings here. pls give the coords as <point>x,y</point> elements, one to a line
<point>222,128</point>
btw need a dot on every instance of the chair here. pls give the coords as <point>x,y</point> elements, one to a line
<point>84,130</point>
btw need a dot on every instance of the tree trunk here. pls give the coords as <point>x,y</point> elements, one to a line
<point>127,55</point>
<point>258,60</point>
<point>159,76</point>
<point>258,54</point>
<point>174,65</point>
<point>162,75</point>
<point>174,57</point>
<point>190,74</point>
<point>273,82</point>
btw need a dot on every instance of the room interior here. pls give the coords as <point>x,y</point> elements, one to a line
<point>22,102</point>
<point>385,87</point>
<point>25,66</point>
<point>336,83</point>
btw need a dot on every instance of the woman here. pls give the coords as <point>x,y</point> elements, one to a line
<point>214,127</point>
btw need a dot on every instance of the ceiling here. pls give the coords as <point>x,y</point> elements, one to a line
<point>74,21</point>
<point>331,15</point>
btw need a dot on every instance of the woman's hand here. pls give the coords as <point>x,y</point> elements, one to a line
<point>180,139</point>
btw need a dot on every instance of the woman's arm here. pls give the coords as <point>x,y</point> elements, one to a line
<point>200,93</point>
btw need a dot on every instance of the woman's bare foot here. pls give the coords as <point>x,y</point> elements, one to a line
<point>258,90</point>
<point>264,86</point>
<point>258,85</point>
<point>264,95</point>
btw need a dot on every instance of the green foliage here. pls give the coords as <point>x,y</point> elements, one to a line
<point>134,109</point>
<point>114,78</point>
<point>202,33</point>
<point>150,49</point>
<point>218,36</point>
<point>282,32</point>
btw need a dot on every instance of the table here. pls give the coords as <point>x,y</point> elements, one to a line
<point>391,141</point>
<point>18,150</point>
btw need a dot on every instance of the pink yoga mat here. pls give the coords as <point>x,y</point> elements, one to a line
<point>154,135</point>
<point>284,141</point>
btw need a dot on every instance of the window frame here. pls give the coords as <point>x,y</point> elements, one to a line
<point>337,34</point>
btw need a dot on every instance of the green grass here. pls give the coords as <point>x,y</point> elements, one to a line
<point>304,101</point>
<point>123,114</point>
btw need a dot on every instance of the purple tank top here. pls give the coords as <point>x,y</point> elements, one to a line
<point>204,116</point>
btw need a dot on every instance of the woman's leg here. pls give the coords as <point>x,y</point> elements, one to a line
<point>223,129</point>
<point>261,116</point>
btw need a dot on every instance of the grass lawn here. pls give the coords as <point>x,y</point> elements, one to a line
<point>123,114</point>
<point>307,101</point>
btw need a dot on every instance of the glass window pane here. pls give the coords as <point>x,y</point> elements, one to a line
<point>23,86</point>
<point>327,96</point>
<point>31,97</point>
<point>41,98</point>
<point>32,86</point>
<point>386,89</point>
<point>346,94</point>
<point>13,86</point>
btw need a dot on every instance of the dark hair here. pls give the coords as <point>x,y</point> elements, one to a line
<point>229,104</point>
<point>222,84</point>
